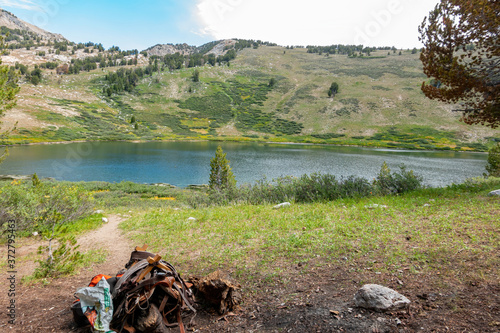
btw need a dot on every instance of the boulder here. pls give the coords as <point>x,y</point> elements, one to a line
<point>494,193</point>
<point>281,205</point>
<point>380,298</point>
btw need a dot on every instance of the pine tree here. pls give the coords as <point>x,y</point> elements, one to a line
<point>196,76</point>
<point>334,89</point>
<point>8,90</point>
<point>221,176</point>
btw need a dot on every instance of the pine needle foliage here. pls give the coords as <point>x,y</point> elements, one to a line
<point>221,176</point>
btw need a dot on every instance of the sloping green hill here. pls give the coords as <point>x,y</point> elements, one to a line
<point>268,94</point>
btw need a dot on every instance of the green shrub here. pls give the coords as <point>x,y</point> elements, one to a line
<point>493,166</point>
<point>394,183</point>
<point>263,191</point>
<point>477,184</point>
<point>62,260</point>
<point>325,187</point>
<point>35,205</point>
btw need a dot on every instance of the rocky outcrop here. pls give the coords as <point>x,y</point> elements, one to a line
<point>164,49</point>
<point>220,49</point>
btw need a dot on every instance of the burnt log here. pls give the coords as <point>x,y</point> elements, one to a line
<point>218,290</point>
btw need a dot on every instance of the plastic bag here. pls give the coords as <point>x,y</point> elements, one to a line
<point>97,305</point>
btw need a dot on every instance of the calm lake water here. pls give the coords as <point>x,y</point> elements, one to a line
<point>184,163</point>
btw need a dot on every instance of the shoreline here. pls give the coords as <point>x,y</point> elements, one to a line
<point>247,141</point>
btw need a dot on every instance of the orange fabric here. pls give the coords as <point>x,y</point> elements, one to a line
<point>97,278</point>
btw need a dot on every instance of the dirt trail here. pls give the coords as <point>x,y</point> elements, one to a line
<point>110,238</point>
<point>42,308</point>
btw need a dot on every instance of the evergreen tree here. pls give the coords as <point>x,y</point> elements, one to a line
<point>196,76</point>
<point>334,89</point>
<point>221,176</point>
<point>461,50</point>
<point>8,90</point>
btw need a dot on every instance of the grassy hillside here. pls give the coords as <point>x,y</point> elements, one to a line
<point>379,104</point>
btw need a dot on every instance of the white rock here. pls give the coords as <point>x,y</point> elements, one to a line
<point>281,205</point>
<point>105,220</point>
<point>192,219</point>
<point>380,298</point>
<point>373,206</point>
<point>35,233</point>
<point>494,193</point>
<point>99,211</point>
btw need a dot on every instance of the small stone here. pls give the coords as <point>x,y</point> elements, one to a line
<point>191,219</point>
<point>494,193</point>
<point>427,205</point>
<point>398,322</point>
<point>99,211</point>
<point>35,234</point>
<point>380,298</point>
<point>105,220</point>
<point>281,205</point>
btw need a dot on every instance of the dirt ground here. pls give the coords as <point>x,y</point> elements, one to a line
<point>319,301</point>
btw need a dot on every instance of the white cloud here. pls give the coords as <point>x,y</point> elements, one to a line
<point>23,4</point>
<point>318,22</point>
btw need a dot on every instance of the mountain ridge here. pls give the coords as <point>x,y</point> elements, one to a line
<point>9,20</point>
<point>258,92</point>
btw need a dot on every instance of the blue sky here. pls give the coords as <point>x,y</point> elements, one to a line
<point>139,25</point>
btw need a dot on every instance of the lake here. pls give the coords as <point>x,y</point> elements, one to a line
<point>184,163</point>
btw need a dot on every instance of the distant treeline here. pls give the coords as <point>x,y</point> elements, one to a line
<point>349,50</point>
<point>124,80</point>
<point>199,57</point>
<point>127,79</point>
